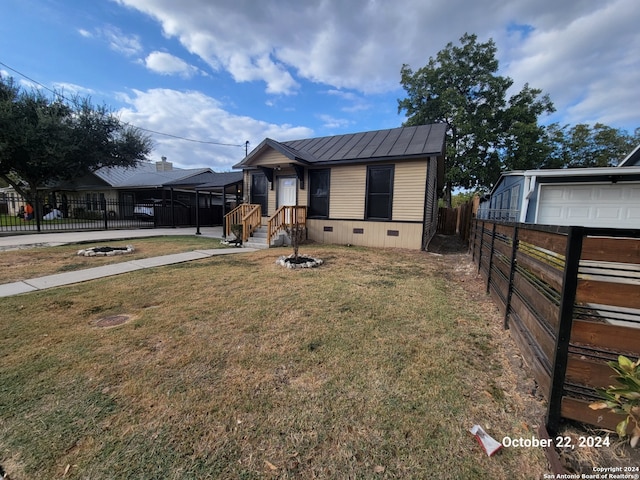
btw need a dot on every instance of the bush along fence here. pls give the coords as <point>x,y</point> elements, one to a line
<point>94,212</point>
<point>571,300</point>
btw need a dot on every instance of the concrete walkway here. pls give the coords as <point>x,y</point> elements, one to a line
<point>68,278</point>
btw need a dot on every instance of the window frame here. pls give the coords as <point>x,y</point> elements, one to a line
<point>370,196</point>
<point>313,196</point>
<point>253,197</point>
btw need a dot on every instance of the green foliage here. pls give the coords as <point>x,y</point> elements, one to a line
<point>461,198</point>
<point>586,146</point>
<point>236,229</point>
<point>460,87</point>
<point>45,140</point>
<point>625,398</point>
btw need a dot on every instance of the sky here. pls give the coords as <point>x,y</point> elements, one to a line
<point>211,75</point>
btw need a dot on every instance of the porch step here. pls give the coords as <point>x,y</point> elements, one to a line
<point>258,240</point>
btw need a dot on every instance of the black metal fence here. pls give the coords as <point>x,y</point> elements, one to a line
<point>98,213</point>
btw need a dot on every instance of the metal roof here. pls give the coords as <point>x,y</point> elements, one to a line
<point>145,175</point>
<point>394,143</point>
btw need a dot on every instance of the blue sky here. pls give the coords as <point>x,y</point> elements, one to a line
<point>230,71</point>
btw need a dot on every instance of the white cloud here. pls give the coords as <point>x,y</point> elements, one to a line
<point>331,122</point>
<point>589,64</point>
<point>569,49</point>
<point>66,88</point>
<point>165,110</point>
<point>128,45</point>
<point>167,64</point>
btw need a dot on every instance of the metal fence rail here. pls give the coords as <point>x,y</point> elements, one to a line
<point>17,215</point>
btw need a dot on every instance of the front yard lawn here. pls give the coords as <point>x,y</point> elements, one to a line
<point>22,264</point>
<point>374,365</point>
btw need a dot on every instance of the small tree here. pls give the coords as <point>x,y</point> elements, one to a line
<point>297,233</point>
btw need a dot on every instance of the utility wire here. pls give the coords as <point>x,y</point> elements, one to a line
<point>139,128</point>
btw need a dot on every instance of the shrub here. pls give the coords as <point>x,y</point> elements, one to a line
<point>623,399</point>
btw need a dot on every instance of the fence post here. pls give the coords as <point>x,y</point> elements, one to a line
<point>37,212</point>
<point>573,253</point>
<point>198,211</point>
<point>472,242</point>
<point>480,247</point>
<point>512,273</point>
<point>105,214</point>
<point>493,243</point>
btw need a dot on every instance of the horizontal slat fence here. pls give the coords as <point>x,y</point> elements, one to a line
<point>571,299</point>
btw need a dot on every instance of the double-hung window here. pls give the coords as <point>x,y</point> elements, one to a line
<point>379,199</point>
<point>319,193</point>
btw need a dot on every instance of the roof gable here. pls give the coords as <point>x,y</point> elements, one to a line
<point>633,159</point>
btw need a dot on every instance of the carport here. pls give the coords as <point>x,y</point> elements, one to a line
<point>227,187</point>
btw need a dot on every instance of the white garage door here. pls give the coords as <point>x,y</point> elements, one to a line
<point>590,205</point>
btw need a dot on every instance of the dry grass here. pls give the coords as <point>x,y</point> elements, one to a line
<point>373,366</point>
<point>17,265</point>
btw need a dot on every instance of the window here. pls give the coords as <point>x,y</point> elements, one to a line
<point>319,193</point>
<point>379,198</point>
<point>515,202</point>
<point>259,191</point>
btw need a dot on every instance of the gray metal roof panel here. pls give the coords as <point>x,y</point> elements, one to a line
<point>144,175</point>
<point>221,180</point>
<point>394,143</point>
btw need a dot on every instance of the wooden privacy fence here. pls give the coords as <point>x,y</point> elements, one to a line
<point>571,299</point>
<point>457,220</point>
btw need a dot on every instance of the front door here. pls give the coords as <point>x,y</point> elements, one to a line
<point>287,187</point>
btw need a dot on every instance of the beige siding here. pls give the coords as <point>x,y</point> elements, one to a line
<point>271,158</point>
<point>347,191</point>
<point>374,234</point>
<point>409,186</point>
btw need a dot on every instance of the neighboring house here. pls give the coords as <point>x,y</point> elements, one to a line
<point>377,188</point>
<point>592,197</point>
<point>122,188</point>
<point>10,201</point>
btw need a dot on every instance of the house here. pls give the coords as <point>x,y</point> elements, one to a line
<point>607,197</point>
<point>122,190</point>
<point>377,188</point>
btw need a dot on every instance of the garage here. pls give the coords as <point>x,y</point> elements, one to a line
<point>607,205</point>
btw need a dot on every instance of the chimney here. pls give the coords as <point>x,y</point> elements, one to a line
<point>163,165</point>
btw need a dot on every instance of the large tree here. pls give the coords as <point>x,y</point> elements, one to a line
<point>583,145</point>
<point>461,87</point>
<point>47,139</point>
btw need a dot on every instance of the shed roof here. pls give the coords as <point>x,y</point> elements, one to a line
<point>394,143</point>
